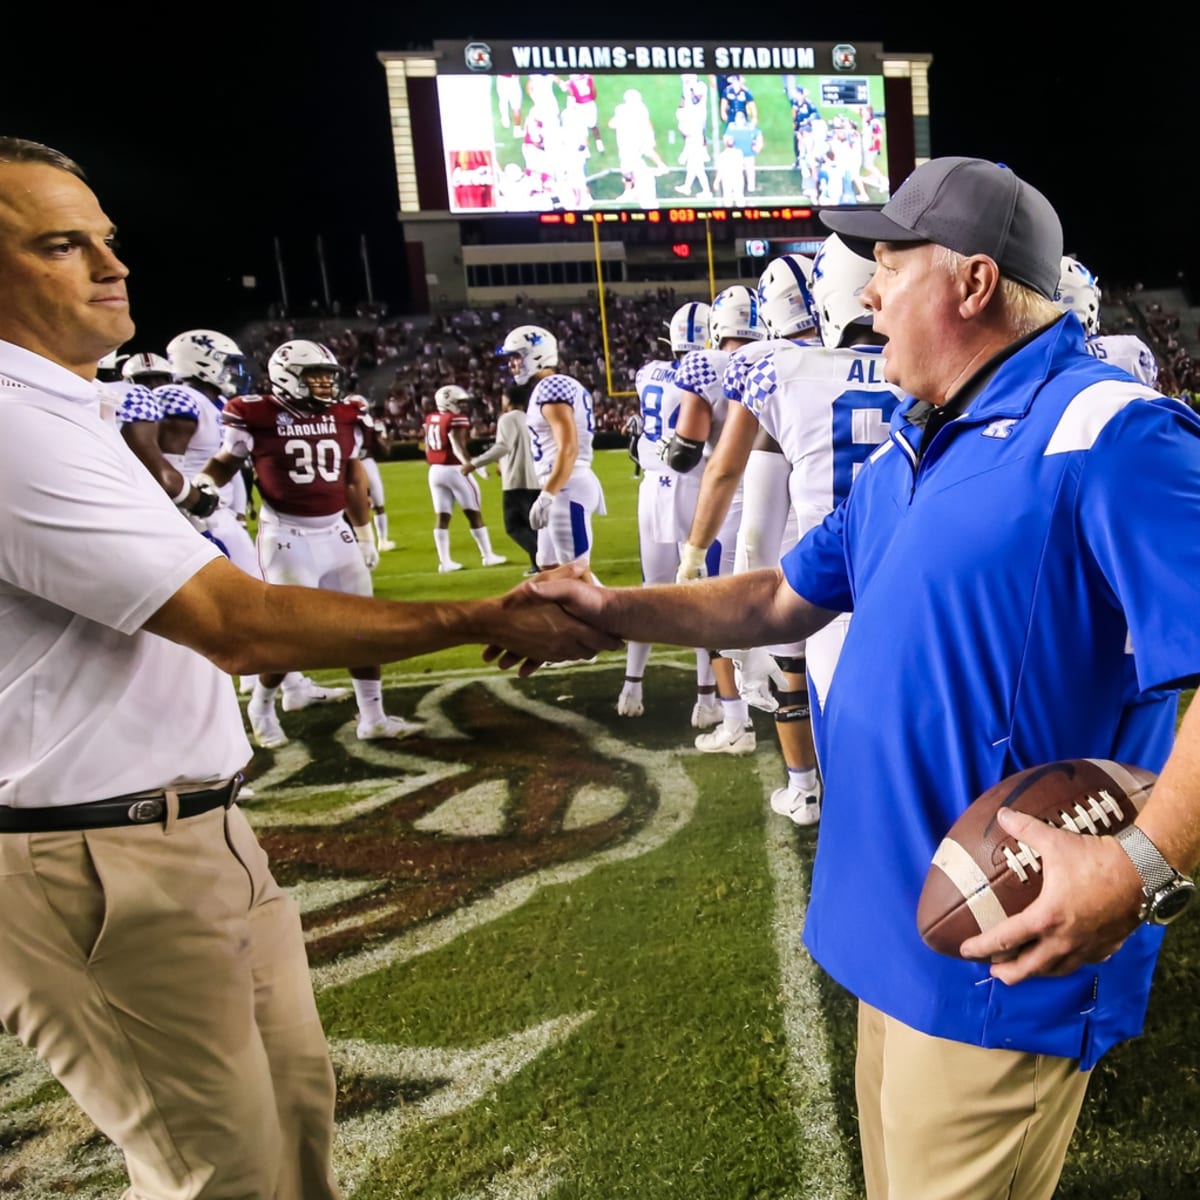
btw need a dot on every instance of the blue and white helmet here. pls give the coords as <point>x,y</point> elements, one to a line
<point>1078,291</point>
<point>688,328</point>
<point>535,348</point>
<point>785,292</point>
<point>736,313</point>
<point>838,278</point>
<point>211,357</point>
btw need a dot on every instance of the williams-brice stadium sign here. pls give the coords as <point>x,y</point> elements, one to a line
<point>521,58</point>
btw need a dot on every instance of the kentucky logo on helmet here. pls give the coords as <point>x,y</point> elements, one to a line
<point>478,56</point>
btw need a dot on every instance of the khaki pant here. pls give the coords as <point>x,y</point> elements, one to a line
<point>942,1120</point>
<point>160,972</point>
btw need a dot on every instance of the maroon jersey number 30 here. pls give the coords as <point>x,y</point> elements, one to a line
<point>299,458</point>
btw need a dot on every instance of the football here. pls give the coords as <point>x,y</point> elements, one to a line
<point>979,875</point>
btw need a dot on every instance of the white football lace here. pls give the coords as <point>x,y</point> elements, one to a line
<point>1104,811</point>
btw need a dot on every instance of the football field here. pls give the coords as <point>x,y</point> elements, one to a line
<point>556,951</point>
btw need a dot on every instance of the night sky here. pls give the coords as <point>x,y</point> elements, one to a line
<point>207,132</point>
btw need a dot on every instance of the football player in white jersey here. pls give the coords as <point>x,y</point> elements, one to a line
<point>207,368</point>
<point>561,423</point>
<point>1079,292</point>
<point>665,502</point>
<point>734,320</point>
<point>828,408</point>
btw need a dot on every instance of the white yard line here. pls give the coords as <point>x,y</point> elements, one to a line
<point>809,1070</point>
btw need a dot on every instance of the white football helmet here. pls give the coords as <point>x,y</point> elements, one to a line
<point>297,366</point>
<point>838,278</point>
<point>1078,291</point>
<point>785,293</point>
<point>450,398</point>
<point>108,369</point>
<point>210,357</point>
<point>688,328</point>
<point>137,366</point>
<point>535,348</point>
<point>736,313</point>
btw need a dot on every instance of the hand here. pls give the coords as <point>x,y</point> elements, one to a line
<point>364,535</point>
<point>1086,909</point>
<point>691,564</point>
<point>535,626</point>
<point>539,510</point>
<point>467,468</point>
<point>206,501</point>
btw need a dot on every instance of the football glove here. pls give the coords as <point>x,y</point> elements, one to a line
<point>207,499</point>
<point>365,536</point>
<point>691,564</point>
<point>539,510</point>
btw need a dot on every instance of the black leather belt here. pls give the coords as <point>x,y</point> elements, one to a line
<point>121,810</point>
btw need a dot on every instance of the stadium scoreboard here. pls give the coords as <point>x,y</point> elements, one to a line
<point>597,128</point>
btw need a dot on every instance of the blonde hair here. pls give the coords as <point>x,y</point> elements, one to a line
<point>1024,309</point>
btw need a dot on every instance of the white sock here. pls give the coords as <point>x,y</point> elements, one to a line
<point>369,694</point>
<point>263,697</point>
<point>441,539</point>
<point>737,714</point>
<point>636,656</point>
<point>483,541</point>
<point>802,782</point>
<point>381,525</point>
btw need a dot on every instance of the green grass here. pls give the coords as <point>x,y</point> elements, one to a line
<point>556,951</point>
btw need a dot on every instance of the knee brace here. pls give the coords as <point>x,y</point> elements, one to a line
<point>798,713</point>
<point>793,665</point>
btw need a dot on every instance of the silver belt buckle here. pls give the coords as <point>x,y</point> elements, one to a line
<point>234,788</point>
<point>141,812</point>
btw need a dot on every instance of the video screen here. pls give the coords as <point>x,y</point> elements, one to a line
<point>533,143</point>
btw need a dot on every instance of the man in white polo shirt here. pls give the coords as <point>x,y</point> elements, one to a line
<point>146,954</point>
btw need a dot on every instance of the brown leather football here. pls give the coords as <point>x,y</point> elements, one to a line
<point>980,875</point>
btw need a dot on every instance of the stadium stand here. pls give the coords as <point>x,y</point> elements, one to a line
<point>399,362</point>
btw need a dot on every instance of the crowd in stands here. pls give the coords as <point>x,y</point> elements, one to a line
<point>399,363</point>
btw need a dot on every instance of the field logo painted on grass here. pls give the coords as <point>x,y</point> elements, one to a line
<point>440,835</point>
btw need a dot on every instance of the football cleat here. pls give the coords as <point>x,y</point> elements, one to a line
<point>629,703</point>
<point>446,567</point>
<point>387,727</point>
<point>722,740</point>
<point>707,713</point>
<point>568,662</point>
<point>265,726</point>
<point>386,544</point>
<point>799,807</point>
<point>308,693</point>
<point>495,560</point>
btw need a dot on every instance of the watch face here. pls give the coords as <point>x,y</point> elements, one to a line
<point>1172,901</point>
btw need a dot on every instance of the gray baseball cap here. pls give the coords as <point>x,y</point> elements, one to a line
<point>972,206</point>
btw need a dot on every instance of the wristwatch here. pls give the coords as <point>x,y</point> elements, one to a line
<point>1167,891</point>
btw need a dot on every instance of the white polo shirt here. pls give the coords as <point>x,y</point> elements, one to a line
<point>90,547</point>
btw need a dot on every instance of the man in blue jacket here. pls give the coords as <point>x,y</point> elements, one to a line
<point>1022,557</point>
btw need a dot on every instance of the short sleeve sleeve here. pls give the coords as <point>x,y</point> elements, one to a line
<point>816,567</point>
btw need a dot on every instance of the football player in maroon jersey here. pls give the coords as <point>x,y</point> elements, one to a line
<point>446,431</point>
<point>303,439</point>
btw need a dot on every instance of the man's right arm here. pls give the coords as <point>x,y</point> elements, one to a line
<point>246,626</point>
<point>755,608</point>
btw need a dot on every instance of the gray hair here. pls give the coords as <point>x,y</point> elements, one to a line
<point>1025,309</point>
<point>21,150</point>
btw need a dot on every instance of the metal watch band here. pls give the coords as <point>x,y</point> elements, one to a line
<point>1155,871</point>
